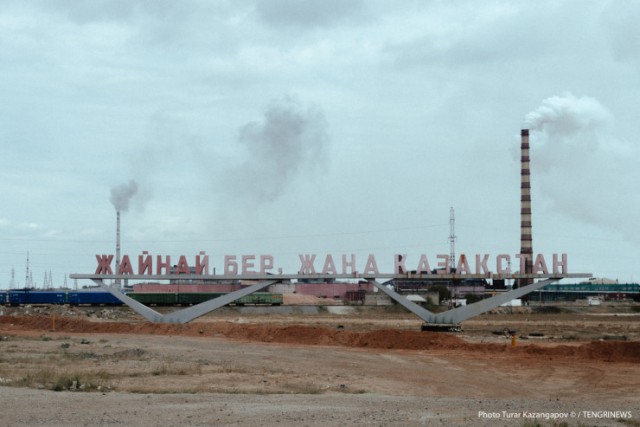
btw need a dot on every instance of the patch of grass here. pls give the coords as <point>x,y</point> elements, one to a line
<point>165,390</point>
<point>343,388</point>
<point>25,359</point>
<point>131,354</point>
<point>36,378</point>
<point>51,379</point>
<point>82,355</point>
<point>229,367</point>
<point>176,369</point>
<point>303,388</point>
<point>284,389</point>
<point>84,381</point>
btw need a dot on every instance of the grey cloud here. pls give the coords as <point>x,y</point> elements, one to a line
<point>620,19</point>
<point>494,33</point>
<point>161,24</point>
<point>308,13</point>
<point>83,12</point>
<point>430,115</point>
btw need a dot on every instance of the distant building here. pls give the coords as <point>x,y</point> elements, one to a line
<point>583,291</point>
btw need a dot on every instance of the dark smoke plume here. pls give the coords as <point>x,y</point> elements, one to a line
<point>121,195</point>
<point>287,144</point>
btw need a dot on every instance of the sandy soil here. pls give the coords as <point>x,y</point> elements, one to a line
<point>234,368</point>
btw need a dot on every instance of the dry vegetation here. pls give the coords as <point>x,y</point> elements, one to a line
<point>358,367</point>
<point>65,363</point>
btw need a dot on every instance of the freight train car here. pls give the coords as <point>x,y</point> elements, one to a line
<point>30,296</point>
<point>193,298</point>
<point>27,296</point>
<point>92,298</point>
<point>155,298</point>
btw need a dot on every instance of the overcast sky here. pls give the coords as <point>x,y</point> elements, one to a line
<point>332,127</point>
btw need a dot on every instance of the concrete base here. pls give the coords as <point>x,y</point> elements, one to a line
<point>434,327</point>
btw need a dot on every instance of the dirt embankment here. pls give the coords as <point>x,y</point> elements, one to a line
<point>608,351</point>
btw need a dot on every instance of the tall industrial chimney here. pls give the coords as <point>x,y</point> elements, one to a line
<point>526,241</point>
<point>117,246</point>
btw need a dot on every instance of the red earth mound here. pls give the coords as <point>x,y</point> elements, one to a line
<point>609,351</point>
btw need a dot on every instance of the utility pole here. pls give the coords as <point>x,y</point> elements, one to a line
<point>27,278</point>
<point>452,240</point>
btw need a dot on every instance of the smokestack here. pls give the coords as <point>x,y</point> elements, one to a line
<point>526,241</point>
<point>117,246</point>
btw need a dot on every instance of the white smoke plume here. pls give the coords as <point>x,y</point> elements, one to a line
<point>568,114</point>
<point>580,167</point>
<point>121,195</point>
<point>288,143</point>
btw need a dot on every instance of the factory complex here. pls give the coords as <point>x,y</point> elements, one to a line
<point>417,282</point>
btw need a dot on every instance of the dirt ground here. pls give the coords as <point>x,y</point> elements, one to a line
<point>307,366</point>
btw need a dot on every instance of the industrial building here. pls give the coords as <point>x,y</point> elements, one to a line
<point>584,291</point>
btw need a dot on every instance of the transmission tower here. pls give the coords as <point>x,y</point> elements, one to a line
<point>452,239</point>
<point>26,278</point>
<point>13,278</point>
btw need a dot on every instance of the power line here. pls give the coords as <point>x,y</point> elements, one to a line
<point>233,239</point>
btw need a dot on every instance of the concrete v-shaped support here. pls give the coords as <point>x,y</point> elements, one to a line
<point>460,314</point>
<point>450,317</point>
<point>419,311</point>
<point>187,314</point>
<point>146,312</point>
